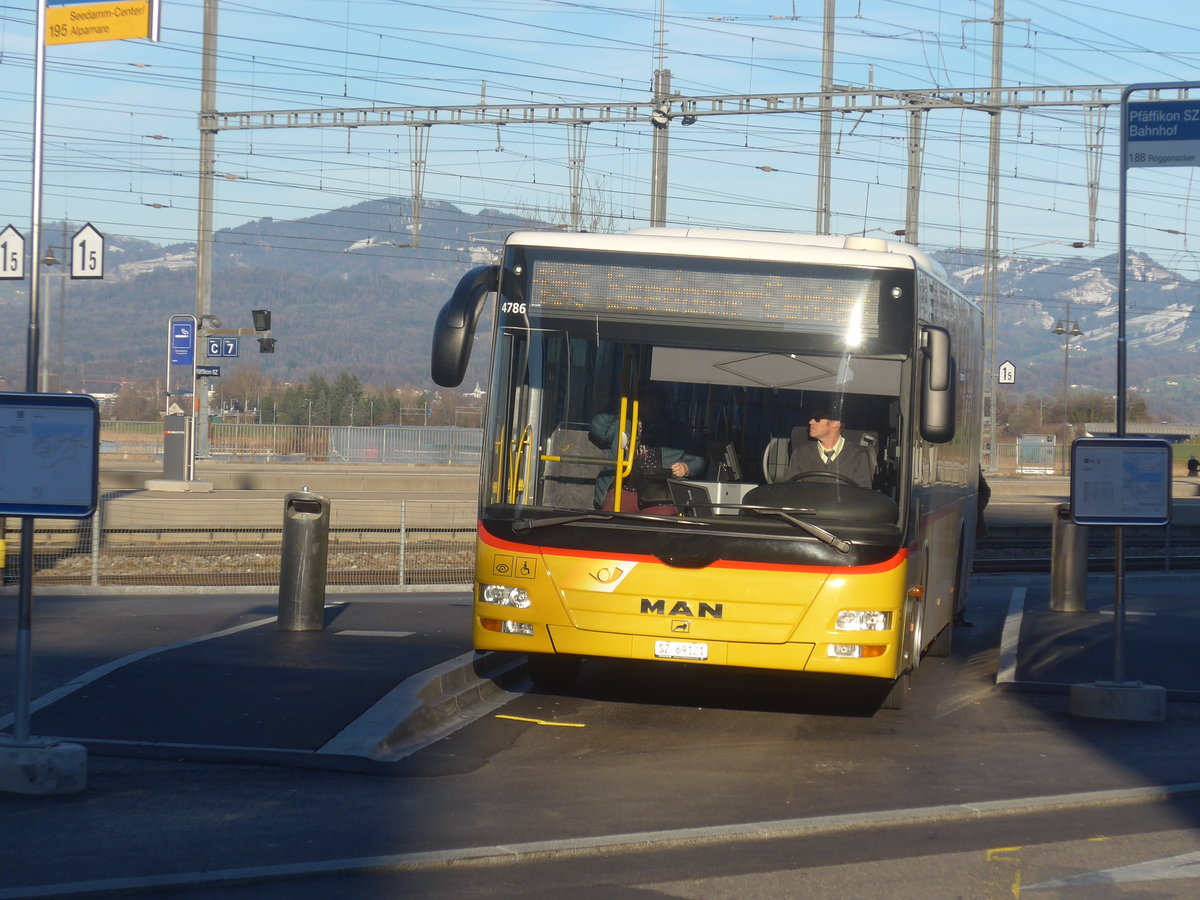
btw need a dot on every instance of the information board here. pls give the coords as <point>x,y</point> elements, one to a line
<point>1162,133</point>
<point>49,455</point>
<point>181,342</point>
<point>70,22</point>
<point>1120,481</point>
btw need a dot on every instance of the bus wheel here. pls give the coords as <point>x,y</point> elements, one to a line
<point>898,694</point>
<point>915,628</point>
<point>551,671</point>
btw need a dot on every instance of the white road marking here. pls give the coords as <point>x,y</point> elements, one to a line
<point>1007,671</point>
<point>365,633</point>
<point>1185,865</point>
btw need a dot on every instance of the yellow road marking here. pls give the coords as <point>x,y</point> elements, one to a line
<point>544,722</point>
<point>1003,872</point>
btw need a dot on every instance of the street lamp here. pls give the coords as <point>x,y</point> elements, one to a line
<point>1070,329</point>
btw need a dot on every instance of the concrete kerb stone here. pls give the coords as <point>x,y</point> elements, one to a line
<point>179,487</point>
<point>1119,701</point>
<point>609,845</point>
<point>47,768</point>
<point>430,705</point>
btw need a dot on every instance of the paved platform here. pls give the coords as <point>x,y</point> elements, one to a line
<point>1049,651</point>
<point>381,679</point>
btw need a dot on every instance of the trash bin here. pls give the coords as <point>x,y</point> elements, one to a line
<point>304,555</point>
<point>1068,562</point>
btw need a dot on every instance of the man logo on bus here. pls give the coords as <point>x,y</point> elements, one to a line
<point>683,608</point>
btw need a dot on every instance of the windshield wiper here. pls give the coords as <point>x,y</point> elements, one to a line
<point>815,530</point>
<point>520,526</point>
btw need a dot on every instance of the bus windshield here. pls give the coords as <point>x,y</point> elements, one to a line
<point>760,397</point>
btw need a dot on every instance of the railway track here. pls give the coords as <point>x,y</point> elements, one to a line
<point>1001,565</point>
<point>1146,550</point>
<point>377,559</point>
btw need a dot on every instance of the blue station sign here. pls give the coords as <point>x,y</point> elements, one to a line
<point>1162,133</point>
<point>181,345</point>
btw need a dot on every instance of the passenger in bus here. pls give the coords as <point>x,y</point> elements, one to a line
<point>827,451</point>
<point>663,449</point>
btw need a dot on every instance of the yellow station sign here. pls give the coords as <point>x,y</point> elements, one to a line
<point>114,21</point>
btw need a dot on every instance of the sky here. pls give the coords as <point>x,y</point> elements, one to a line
<point>121,138</point>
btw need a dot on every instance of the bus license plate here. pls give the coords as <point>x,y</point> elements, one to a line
<point>680,650</point>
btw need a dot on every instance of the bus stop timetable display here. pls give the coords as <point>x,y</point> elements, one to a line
<point>1120,481</point>
<point>49,455</point>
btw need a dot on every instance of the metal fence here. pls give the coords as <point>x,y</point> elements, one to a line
<point>397,543</point>
<point>419,445</point>
<point>422,445</point>
<point>412,444</point>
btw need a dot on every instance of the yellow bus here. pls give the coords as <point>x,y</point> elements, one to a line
<point>655,403</point>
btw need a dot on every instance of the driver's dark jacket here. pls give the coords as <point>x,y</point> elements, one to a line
<point>852,462</point>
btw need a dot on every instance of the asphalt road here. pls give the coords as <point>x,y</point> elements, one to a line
<point>649,781</point>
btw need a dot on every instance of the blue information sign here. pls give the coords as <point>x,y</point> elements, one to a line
<point>222,346</point>
<point>1162,133</point>
<point>183,341</point>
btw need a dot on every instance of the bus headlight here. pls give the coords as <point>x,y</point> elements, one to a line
<point>503,595</point>
<point>863,620</point>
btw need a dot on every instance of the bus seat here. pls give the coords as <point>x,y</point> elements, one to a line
<point>775,458</point>
<point>569,484</point>
<point>867,439</point>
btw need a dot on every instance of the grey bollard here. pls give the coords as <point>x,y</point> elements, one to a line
<point>1068,562</point>
<point>304,555</point>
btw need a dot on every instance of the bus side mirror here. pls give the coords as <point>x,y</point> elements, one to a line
<point>454,329</point>
<point>939,377</point>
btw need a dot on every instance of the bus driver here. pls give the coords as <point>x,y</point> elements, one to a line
<point>828,451</point>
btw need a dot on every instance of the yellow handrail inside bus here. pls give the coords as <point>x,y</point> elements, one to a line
<point>497,450</point>
<point>624,454</point>
<point>515,484</point>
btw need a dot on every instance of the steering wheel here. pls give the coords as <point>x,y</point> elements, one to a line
<point>814,474</point>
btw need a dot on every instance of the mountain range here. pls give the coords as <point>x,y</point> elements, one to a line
<point>349,292</point>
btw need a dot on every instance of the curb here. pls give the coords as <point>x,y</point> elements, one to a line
<point>428,706</point>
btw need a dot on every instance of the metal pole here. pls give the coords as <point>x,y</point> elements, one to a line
<point>660,122</point>
<point>1118,676</point>
<point>41,276</point>
<point>403,537</point>
<point>825,148</point>
<point>418,138</point>
<point>912,206</point>
<point>991,238</point>
<point>204,215</point>
<point>660,125</point>
<point>96,533</point>
<point>1066,468</point>
<point>24,649</point>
